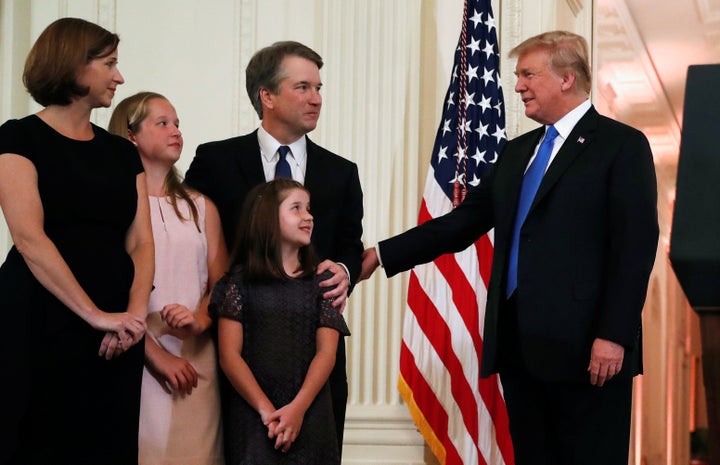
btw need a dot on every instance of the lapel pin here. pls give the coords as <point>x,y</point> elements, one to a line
<point>581,140</point>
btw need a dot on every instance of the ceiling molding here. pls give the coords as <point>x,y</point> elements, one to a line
<point>709,17</point>
<point>709,11</point>
<point>712,37</point>
<point>627,81</point>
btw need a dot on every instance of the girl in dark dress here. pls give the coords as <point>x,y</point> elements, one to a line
<point>277,336</point>
<point>74,288</point>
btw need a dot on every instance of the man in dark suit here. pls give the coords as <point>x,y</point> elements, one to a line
<point>572,260</point>
<point>283,83</point>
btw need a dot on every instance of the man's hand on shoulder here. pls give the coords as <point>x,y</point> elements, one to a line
<point>340,283</point>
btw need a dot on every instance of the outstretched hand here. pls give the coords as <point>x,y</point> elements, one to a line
<point>370,263</point>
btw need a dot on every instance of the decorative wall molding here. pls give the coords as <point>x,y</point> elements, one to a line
<point>709,16</point>
<point>628,88</point>
<point>381,434</point>
<point>388,424</point>
<point>708,11</point>
<point>107,18</point>
<point>627,82</point>
<point>511,34</point>
<point>576,6</point>
<point>244,46</point>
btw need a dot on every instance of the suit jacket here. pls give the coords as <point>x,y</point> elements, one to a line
<point>586,250</point>
<point>227,170</point>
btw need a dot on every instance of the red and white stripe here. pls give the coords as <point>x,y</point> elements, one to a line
<point>461,416</point>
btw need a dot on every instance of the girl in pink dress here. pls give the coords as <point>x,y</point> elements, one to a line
<point>180,401</point>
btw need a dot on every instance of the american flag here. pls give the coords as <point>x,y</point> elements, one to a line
<point>461,416</point>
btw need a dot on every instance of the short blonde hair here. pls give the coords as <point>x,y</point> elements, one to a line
<point>566,51</point>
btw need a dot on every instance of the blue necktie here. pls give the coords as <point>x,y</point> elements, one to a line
<point>530,184</point>
<point>282,169</point>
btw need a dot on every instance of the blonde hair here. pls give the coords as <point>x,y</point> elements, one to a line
<point>128,116</point>
<point>566,51</point>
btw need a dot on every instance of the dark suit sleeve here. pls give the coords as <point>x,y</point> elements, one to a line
<point>450,233</point>
<point>633,225</point>
<point>200,174</point>
<point>349,246</point>
<point>212,173</point>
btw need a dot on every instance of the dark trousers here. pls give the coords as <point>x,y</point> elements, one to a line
<point>562,422</point>
<point>339,391</point>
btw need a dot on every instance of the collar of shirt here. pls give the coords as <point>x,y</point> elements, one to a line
<point>567,123</point>
<point>268,151</point>
<point>564,127</point>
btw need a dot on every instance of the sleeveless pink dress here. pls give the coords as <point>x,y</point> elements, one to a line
<point>178,429</point>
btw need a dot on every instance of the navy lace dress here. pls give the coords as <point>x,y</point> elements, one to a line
<point>280,320</point>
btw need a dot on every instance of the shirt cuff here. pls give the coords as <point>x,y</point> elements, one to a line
<point>347,272</point>
<point>377,252</point>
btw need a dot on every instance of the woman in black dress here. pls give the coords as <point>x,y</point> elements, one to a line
<point>75,286</point>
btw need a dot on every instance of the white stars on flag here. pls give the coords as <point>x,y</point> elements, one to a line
<point>488,76</point>
<point>485,103</point>
<point>465,422</point>
<point>471,73</point>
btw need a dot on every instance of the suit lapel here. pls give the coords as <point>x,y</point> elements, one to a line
<point>249,159</point>
<point>314,168</point>
<point>579,140</point>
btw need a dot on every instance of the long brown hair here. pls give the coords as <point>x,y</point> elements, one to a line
<point>257,251</point>
<point>128,116</point>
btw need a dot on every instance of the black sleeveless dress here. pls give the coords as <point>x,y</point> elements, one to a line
<point>67,405</point>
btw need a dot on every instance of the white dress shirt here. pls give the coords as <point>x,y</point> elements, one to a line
<point>297,158</point>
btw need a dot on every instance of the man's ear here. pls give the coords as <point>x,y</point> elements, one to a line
<point>568,81</point>
<point>266,98</point>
